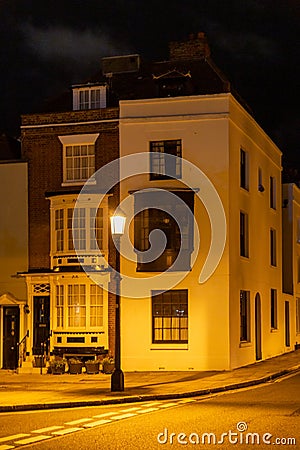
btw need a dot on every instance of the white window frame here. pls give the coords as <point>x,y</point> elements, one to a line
<point>78,143</point>
<point>89,92</point>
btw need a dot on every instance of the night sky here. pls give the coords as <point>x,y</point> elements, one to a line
<point>46,46</point>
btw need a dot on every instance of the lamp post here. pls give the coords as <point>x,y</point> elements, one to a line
<point>117,222</point>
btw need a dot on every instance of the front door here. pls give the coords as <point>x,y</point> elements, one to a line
<point>11,320</point>
<point>41,324</point>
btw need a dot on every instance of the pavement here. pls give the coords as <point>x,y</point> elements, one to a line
<point>25,392</point>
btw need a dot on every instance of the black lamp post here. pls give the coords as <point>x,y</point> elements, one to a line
<point>117,230</point>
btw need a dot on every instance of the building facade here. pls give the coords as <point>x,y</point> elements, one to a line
<point>174,113</point>
<point>13,254</point>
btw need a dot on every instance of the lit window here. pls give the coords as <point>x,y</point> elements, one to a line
<point>76,305</point>
<point>96,228</point>
<point>161,166</point>
<point>273,308</point>
<point>59,229</point>
<point>244,235</point>
<point>273,247</point>
<point>60,306</point>
<point>244,170</point>
<point>170,316</point>
<point>244,316</point>
<point>96,306</point>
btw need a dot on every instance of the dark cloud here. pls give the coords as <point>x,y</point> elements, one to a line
<point>47,46</point>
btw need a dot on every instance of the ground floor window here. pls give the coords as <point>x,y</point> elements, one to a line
<point>79,305</point>
<point>273,308</point>
<point>170,316</point>
<point>244,316</point>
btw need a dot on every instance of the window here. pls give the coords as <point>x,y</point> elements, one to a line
<point>297,315</point>
<point>170,316</point>
<point>245,316</point>
<point>84,306</point>
<point>161,166</point>
<point>80,230</point>
<point>80,162</point>
<point>260,180</point>
<point>298,230</point>
<point>273,247</point>
<point>244,235</point>
<point>89,98</point>
<point>96,306</point>
<point>76,305</point>
<point>273,192</point>
<point>78,157</point>
<point>151,219</point>
<point>273,308</point>
<point>244,170</point>
<point>59,229</point>
<point>60,306</point>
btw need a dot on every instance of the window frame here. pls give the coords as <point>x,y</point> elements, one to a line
<point>244,169</point>
<point>274,309</point>
<point>88,92</point>
<point>273,196</point>
<point>160,148</point>
<point>182,327</point>
<point>244,234</point>
<point>273,247</point>
<point>245,319</point>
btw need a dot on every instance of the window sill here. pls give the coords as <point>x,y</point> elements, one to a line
<point>244,344</point>
<point>274,330</point>
<point>169,346</point>
<point>78,183</point>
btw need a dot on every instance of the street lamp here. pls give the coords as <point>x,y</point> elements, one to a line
<point>117,222</point>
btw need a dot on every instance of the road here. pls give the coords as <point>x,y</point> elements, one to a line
<point>256,418</point>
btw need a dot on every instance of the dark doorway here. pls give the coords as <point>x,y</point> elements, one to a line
<point>258,353</point>
<point>41,324</point>
<point>11,320</point>
<point>287,323</point>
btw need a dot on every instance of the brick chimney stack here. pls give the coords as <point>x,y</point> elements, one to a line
<point>195,47</point>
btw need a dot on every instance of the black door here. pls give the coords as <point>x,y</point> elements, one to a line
<point>41,324</point>
<point>11,320</point>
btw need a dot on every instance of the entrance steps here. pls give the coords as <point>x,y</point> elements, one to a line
<point>27,367</point>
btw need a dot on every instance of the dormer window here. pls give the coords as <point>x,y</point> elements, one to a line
<point>89,97</point>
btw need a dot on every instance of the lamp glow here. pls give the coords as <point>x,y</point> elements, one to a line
<point>117,223</point>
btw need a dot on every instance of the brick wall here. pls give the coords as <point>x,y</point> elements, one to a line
<point>42,149</point>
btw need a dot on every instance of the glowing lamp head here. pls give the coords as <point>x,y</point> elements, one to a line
<point>117,223</point>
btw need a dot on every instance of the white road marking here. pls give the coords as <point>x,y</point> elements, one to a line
<point>98,422</point>
<point>146,410</point>
<point>13,437</point>
<point>66,431</point>
<point>6,447</point>
<point>77,422</point>
<point>167,405</point>
<point>151,404</point>
<point>47,430</point>
<point>32,439</point>
<point>123,416</point>
<point>186,400</point>
<point>105,415</point>
<point>130,409</point>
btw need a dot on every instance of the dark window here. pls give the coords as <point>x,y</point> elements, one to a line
<point>272,192</point>
<point>150,219</point>
<point>170,316</point>
<point>244,235</point>
<point>273,308</point>
<point>161,166</point>
<point>244,175</point>
<point>273,247</point>
<point>244,316</point>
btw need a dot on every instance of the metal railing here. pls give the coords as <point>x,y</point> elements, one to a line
<point>22,349</point>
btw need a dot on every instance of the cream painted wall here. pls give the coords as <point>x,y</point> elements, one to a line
<point>202,125</point>
<point>255,273</point>
<point>13,228</point>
